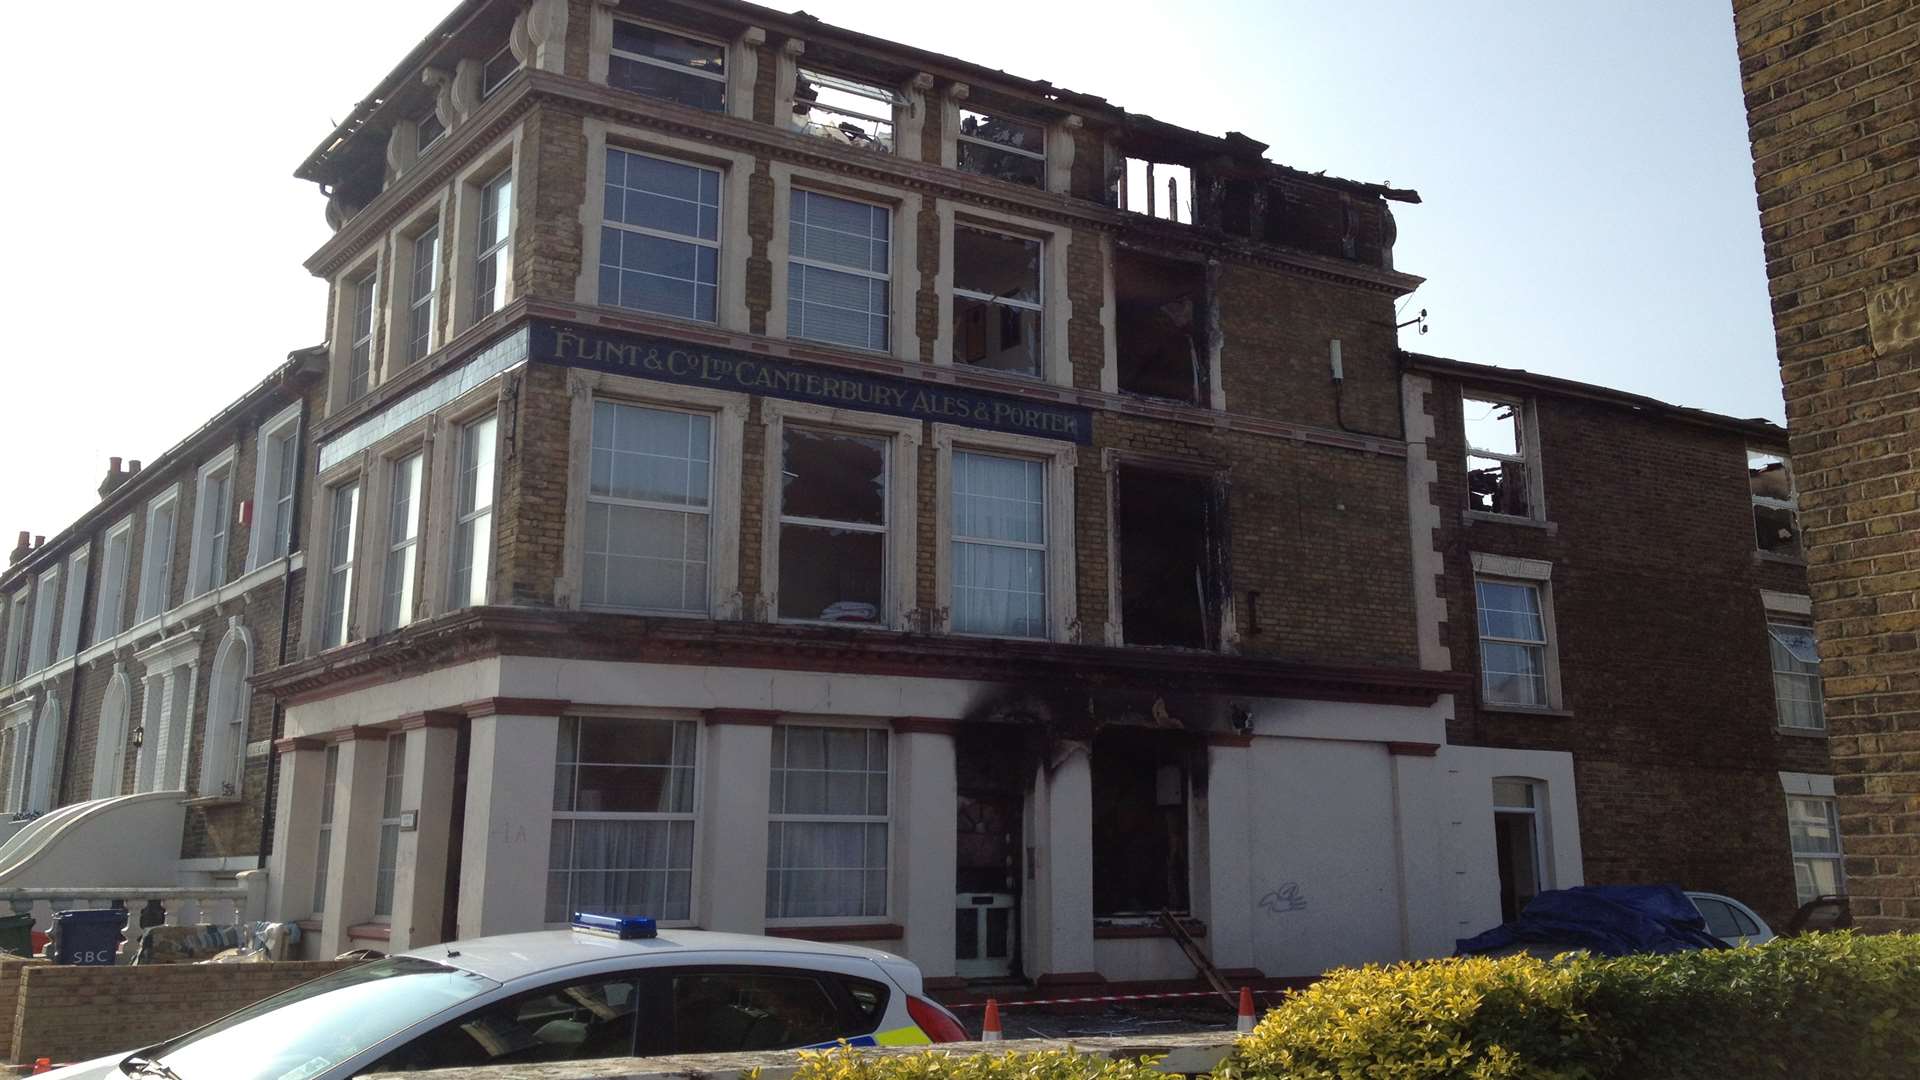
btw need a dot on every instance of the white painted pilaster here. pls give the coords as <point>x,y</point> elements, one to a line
<point>1059,918</point>
<point>1230,899</point>
<point>296,818</point>
<point>509,824</point>
<point>732,859</point>
<point>926,880</point>
<point>420,873</point>
<point>359,789</point>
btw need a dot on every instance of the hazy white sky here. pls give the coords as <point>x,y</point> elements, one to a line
<point>1588,213</point>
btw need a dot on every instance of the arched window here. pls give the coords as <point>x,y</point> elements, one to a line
<point>47,728</point>
<point>110,745</point>
<point>226,735</point>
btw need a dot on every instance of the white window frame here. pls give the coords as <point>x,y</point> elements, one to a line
<point>333,629</point>
<point>690,239</point>
<point>1056,362</point>
<point>1812,678</point>
<point>110,606</point>
<point>410,305</point>
<point>73,604</point>
<point>1060,461</point>
<point>1514,571</point>
<point>904,246</point>
<point>1526,441</point>
<point>902,528</point>
<point>16,738</point>
<point>400,554</point>
<point>706,512</point>
<point>16,629</point>
<point>1791,504</point>
<point>224,742</point>
<point>692,816</point>
<point>460,235</point>
<point>724,78</point>
<point>497,251</point>
<point>1837,856</point>
<point>878,93</point>
<point>111,737</point>
<point>893,830</point>
<point>785,272</point>
<point>323,833</point>
<point>421,141</point>
<point>156,573</point>
<point>457,519</point>
<point>211,525</point>
<point>743,66</point>
<point>271,503</point>
<point>1038,308</point>
<point>362,296</point>
<point>386,862</point>
<point>46,607</point>
<point>488,89</point>
<point>958,113</point>
<point>1537,814</point>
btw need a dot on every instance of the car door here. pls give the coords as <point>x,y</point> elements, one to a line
<point>575,1020</point>
<point>1728,921</point>
<point>731,1009</point>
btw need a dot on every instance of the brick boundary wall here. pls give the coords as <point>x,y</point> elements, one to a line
<point>11,968</point>
<point>71,1013</point>
<point>1833,116</point>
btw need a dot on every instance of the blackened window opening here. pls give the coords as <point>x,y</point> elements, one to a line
<point>1160,327</point>
<point>1169,571</point>
<point>1140,795</point>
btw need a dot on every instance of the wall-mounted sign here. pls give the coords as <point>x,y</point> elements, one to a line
<point>649,357</point>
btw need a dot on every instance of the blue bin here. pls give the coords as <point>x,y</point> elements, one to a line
<point>90,936</point>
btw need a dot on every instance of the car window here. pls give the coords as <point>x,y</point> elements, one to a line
<point>1719,916</point>
<point>591,1018</point>
<point>1748,927</point>
<point>727,1011</point>
<point>869,998</point>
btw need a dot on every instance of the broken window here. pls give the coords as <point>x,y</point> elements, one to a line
<point>1003,147</point>
<point>683,70</point>
<point>1157,189</point>
<point>833,526</point>
<point>1140,793</point>
<point>1171,526</point>
<point>996,300</point>
<point>1497,475</point>
<point>1160,326</point>
<point>1776,509</point>
<point>845,111</point>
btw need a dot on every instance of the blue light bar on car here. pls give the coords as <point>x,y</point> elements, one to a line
<point>624,927</point>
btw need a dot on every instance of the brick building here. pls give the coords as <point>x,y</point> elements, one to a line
<point>1831,101</point>
<point>784,481</point>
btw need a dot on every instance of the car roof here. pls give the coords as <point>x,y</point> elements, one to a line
<point>505,957</point>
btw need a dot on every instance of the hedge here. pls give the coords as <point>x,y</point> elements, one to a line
<point>845,1064</point>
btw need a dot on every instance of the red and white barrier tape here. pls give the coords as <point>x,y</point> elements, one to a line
<point>1103,998</point>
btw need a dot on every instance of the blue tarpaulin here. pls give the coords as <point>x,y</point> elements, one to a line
<point>1611,920</point>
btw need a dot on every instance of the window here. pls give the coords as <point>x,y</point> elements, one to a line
<point>583,1020</point>
<point>996,301</point>
<point>1796,676</point>
<point>499,67</point>
<point>390,802</point>
<point>16,630</point>
<point>491,273</point>
<point>1154,188</point>
<point>833,526</point>
<point>323,846</point>
<point>660,240</point>
<point>156,560</point>
<point>1140,848</point>
<point>70,609</point>
<point>683,70</point>
<point>212,509</point>
<point>827,840</point>
<point>279,459</point>
<point>343,524</point>
<point>1776,506</point>
<point>1497,477</point>
<point>427,130</point>
<point>473,516</point>
<point>999,545</point>
<point>1003,147</point>
<point>649,507</point>
<point>110,606</point>
<point>1513,643</point>
<point>423,294</point>
<point>1814,829</point>
<point>623,803</point>
<point>110,743</point>
<point>403,541</point>
<point>838,281</point>
<point>226,734</point>
<point>733,1012</point>
<point>844,111</point>
<point>46,603</point>
<point>1172,590</point>
<point>1163,347</point>
<point>1724,920</point>
<point>1516,839</point>
<point>360,350</point>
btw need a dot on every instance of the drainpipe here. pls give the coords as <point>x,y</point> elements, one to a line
<point>286,605</point>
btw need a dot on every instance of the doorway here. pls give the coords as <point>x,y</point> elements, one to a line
<point>988,849</point>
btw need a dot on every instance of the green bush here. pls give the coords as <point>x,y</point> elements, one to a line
<point>845,1064</point>
<point>1828,1005</point>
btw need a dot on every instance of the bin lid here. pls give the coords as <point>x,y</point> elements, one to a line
<point>116,916</point>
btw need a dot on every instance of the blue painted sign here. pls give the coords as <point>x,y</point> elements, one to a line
<point>645,356</point>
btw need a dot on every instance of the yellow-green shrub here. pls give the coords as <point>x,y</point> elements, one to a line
<point>845,1064</point>
<point>1830,1005</point>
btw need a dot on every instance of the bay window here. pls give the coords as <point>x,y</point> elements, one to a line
<point>828,832</point>
<point>623,819</point>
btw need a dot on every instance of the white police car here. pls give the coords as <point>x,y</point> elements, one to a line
<point>611,987</point>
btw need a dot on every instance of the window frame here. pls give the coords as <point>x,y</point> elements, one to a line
<point>899,598</point>
<point>724,78</point>
<point>707,511</point>
<point>210,527</point>
<point>1778,621</point>
<point>892,314</point>
<point>1060,461</point>
<point>1536,815</point>
<point>903,250</point>
<point>1508,570</point>
<point>362,302</point>
<point>496,253</point>
<point>717,244</point>
<point>324,615</point>
<point>44,612</point>
<point>425,121</point>
<point>488,89</point>
<point>692,816</point>
<point>408,549</point>
<point>1837,856</point>
<point>274,441</point>
<point>874,91</point>
<point>393,803</point>
<point>893,831</point>
<point>73,603</point>
<point>325,817</point>
<point>15,658</point>
<point>1790,504</point>
<point>460,235</point>
<point>958,111</point>
<point>162,585</point>
<point>416,307</point>
<point>460,424</point>
<point>1526,442</point>
<point>110,606</point>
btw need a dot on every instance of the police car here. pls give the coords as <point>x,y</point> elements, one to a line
<point>609,987</point>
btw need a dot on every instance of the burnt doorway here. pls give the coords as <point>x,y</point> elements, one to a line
<point>1169,531</point>
<point>991,789</point>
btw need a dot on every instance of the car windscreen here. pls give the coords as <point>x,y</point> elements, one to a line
<point>315,1026</point>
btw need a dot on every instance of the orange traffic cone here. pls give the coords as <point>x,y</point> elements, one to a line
<point>990,1024</point>
<point>1246,1009</point>
<point>41,1065</point>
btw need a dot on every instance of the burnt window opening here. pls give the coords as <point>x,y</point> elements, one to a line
<point>1498,473</point>
<point>846,111</point>
<point>833,526</point>
<point>1236,207</point>
<point>1776,508</point>
<point>1157,189</point>
<point>996,300</point>
<point>1171,529</point>
<point>1160,327</point>
<point>1141,792</point>
<point>1001,146</point>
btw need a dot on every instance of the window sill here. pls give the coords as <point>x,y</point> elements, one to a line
<point>1113,931</point>
<point>1760,556</point>
<point>841,932</point>
<point>370,932</point>
<point>311,926</point>
<point>1525,710</point>
<point>1468,517</point>
<point>214,800</point>
<point>1801,732</point>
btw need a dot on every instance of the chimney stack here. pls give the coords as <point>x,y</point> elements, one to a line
<point>133,467</point>
<point>39,542</point>
<point>114,478</point>
<point>21,549</point>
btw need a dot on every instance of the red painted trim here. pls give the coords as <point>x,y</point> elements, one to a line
<point>438,718</point>
<point>1151,930</point>
<point>1055,980</point>
<point>360,731</point>
<point>1413,749</point>
<point>292,745</point>
<point>924,725</point>
<point>1224,738</point>
<point>860,932</point>
<point>370,932</point>
<point>505,706</point>
<point>741,718</point>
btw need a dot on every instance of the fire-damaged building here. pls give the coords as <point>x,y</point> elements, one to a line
<point>779,480</point>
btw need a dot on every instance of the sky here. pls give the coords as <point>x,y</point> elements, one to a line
<point>1588,206</point>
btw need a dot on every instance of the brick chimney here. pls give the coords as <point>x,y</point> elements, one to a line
<point>21,549</point>
<point>115,477</point>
